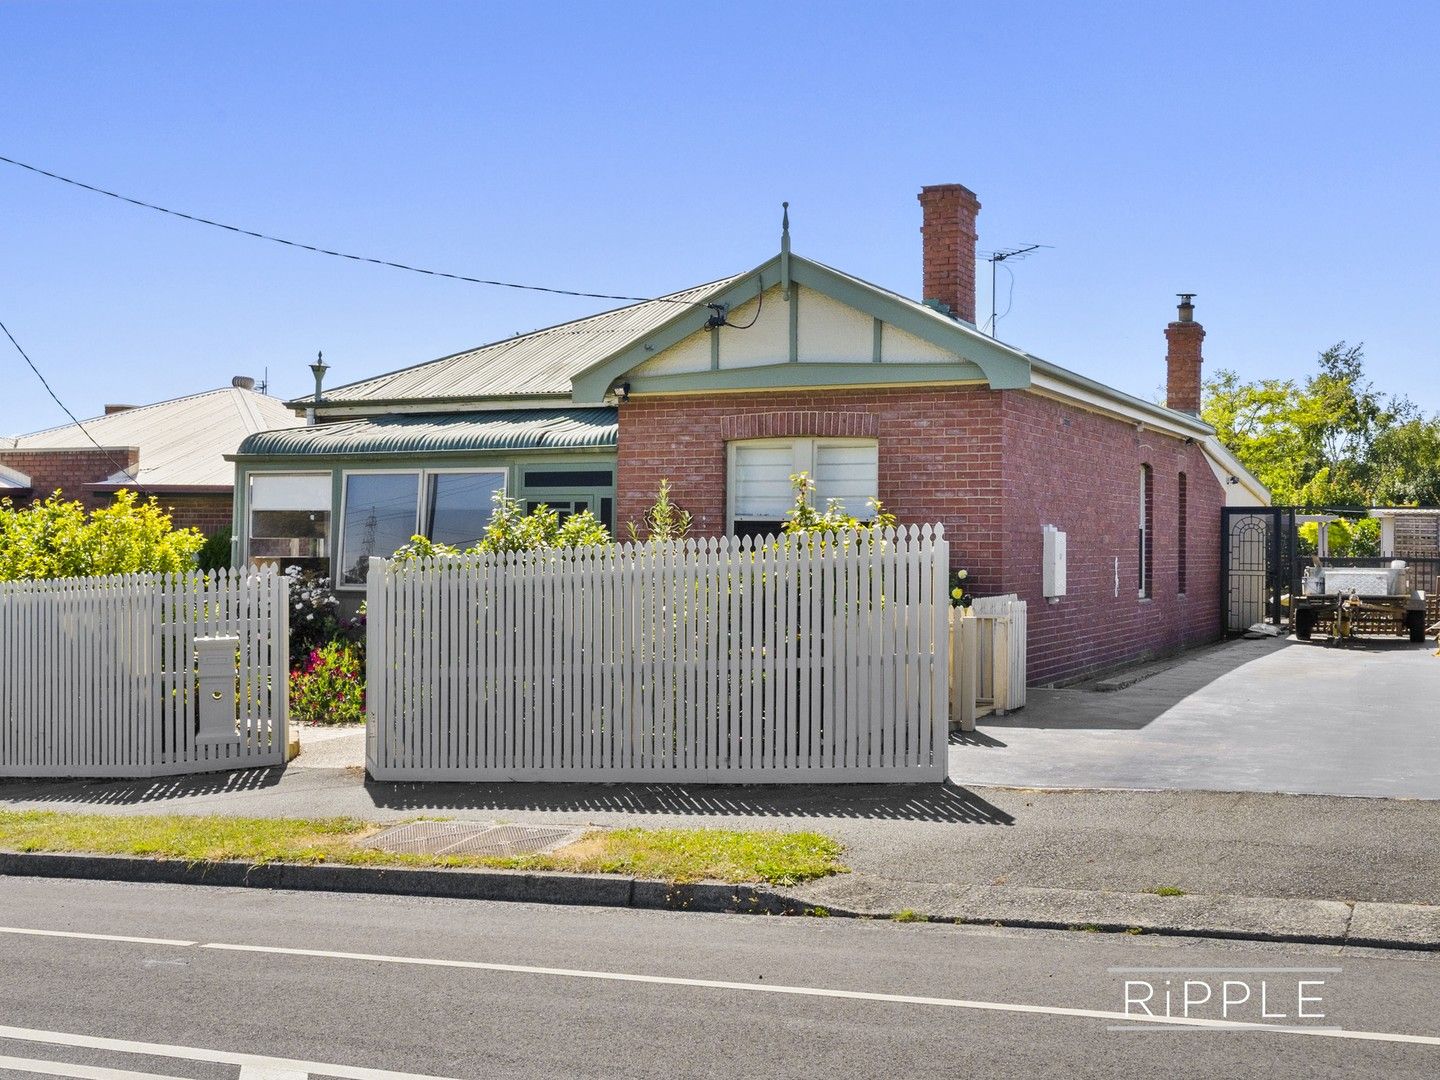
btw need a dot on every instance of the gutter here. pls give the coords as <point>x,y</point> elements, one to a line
<point>1047,376</point>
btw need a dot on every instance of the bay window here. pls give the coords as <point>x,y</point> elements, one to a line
<point>383,510</point>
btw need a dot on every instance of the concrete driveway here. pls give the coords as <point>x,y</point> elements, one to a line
<point>1273,715</point>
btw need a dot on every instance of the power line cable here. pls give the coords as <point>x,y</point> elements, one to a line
<point>123,469</point>
<point>337,254</point>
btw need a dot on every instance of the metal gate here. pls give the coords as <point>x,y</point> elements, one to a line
<point>1259,560</point>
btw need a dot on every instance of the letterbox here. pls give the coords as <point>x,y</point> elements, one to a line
<point>215,658</point>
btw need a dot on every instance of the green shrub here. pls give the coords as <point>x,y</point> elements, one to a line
<point>56,538</point>
<point>315,617</point>
<point>511,529</point>
<point>214,554</point>
<point>330,687</point>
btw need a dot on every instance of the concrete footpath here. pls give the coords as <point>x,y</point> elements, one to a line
<point>984,854</point>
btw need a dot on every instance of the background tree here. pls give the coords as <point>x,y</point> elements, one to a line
<point>1331,441</point>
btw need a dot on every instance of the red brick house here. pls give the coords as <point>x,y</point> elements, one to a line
<point>729,388</point>
<point>174,450</point>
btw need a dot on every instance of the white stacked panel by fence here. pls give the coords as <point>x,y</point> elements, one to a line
<point>99,676</point>
<point>714,660</point>
<point>988,658</point>
<point>1002,651</point>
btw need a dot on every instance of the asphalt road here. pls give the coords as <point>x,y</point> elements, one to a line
<point>194,978</point>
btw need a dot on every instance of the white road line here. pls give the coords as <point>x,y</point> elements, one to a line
<point>668,980</point>
<point>259,1072</point>
<point>852,995</point>
<point>95,937</point>
<point>83,1072</point>
<point>270,1065</point>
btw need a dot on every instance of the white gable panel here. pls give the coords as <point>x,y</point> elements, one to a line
<point>832,332</point>
<point>850,473</point>
<point>899,347</point>
<point>691,354</point>
<point>767,342</point>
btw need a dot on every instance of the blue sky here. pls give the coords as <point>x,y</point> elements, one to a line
<point>1278,160</point>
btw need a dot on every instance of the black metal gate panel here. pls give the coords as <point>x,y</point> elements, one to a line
<point>1259,562</point>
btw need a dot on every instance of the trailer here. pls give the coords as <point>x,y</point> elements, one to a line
<point>1346,600</point>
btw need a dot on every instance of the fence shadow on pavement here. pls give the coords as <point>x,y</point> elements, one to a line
<point>946,802</point>
<point>157,789</point>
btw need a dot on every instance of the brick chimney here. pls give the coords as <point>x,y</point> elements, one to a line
<point>1182,359</point>
<point>949,239</point>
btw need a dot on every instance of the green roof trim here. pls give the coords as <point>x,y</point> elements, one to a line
<point>810,374</point>
<point>438,433</point>
<point>1000,366</point>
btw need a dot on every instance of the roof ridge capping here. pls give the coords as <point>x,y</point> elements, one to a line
<point>129,413</point>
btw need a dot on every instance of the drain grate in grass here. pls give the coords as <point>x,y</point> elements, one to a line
<point>478,838</point>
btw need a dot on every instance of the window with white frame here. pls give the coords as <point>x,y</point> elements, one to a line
<point>383,510</point>
<point>288,520</point>
<point>760,492</point>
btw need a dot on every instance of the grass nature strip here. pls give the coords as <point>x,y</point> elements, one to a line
<point>728,855</point>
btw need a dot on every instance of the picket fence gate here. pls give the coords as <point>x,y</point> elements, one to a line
<point>723,660</point>
<point>143,674</point>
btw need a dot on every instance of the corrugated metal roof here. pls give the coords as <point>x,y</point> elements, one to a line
<point>415,433</point>
<point>182,442</point>
<point>13,479</point>
<point>535,364</point>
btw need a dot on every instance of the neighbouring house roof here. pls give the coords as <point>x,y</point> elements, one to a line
<point>454,432</point>
<point>12,479</point>
<point>182,443</point>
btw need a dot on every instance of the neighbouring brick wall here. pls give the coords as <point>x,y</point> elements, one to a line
<point>209,512</point>
<point>939,455</point>
<point>1080,472</point>
<point>70,470</point>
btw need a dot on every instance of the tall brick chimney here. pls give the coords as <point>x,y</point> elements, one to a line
<point>949,239</point>
<point>1182,359</point>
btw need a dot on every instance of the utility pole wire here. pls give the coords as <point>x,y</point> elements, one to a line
<point>337,254</point>
<point>123,469</point>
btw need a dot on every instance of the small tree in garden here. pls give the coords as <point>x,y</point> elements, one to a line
<point>56,538</point>
<point>511,529</point>
<point>664,521</point>
<point>804,520</point>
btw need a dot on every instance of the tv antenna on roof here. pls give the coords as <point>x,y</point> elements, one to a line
<point>1001,256</point>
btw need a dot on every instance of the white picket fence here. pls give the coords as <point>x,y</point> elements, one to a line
<point>988,658</point>
<point>714,660</point>
<point>99,677</point>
